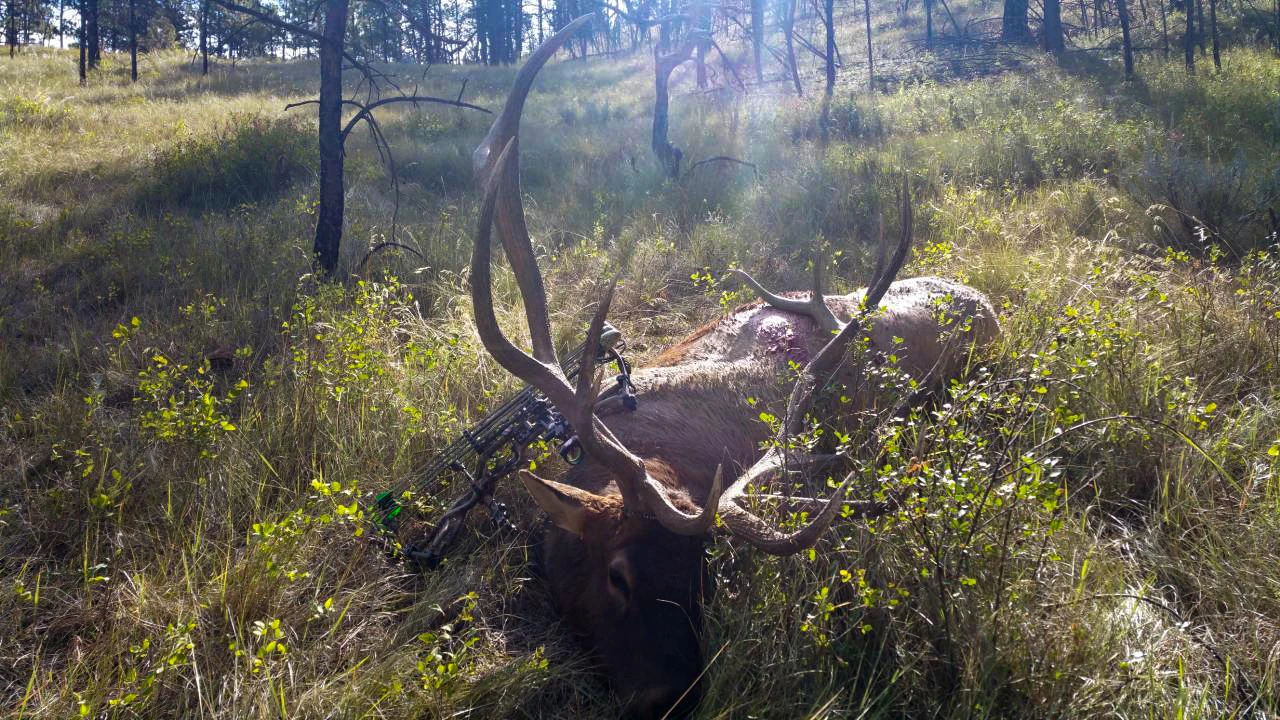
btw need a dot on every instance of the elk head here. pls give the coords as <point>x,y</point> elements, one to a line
<point>627,565</point>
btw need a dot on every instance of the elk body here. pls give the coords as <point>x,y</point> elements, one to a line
<point>624,558</point>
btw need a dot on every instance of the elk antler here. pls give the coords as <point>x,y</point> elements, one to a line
<point>817,373</point>
<point>499,175</point>
<point>814,307</point>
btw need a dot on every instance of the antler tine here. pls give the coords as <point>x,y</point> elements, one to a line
<point>886,273</point>
<point>814,307</point>
<point>817,373</point>
<point>512,229</point>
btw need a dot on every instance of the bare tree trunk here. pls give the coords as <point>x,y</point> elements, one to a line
<point>61,26</point>
<point>928,24</point>
<point>1013,25</point>
<point>332,198</point>
<point>133,42</point>
<point>1122,7</point>
<point>84,53</point>
<point>871,64</point>
<point>1200,27</point>
<point>90,22</point>
<point>790,29</point>
<point>1053,40</point>
<point>1164,26</point>
<point>669,156</point>
<point>204,37</point>
<point>1213,29</point>
<point>1189,38</point>
<point>757,37</point>
<point>701,22</point>
<point>11,29</point>
<point>825,121</point>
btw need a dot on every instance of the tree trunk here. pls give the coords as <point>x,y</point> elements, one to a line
<point>1013,26</point>
<point>790,28</point>
<point>1189,38</point>
<point>928,24</point>
<point>829,12</point>
<point>871,64</point>
<point>824,122</point>
<point>1122,7</point>
<point>90,22</point>
<point>332,198</point>
<point>11,29</point>
<point>1053,40</point>
<point>204,37</point>
<point>1213,29</point>
<point>1200,27</point>
<point>757,37</point>
<point>84,53</point>
<point>1164,26</point>
<point>669,156</point>
<point>61,26</point>
<point>133,42</point>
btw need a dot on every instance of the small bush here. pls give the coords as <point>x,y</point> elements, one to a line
<point>250,158</point>
<point>1197,200</point>
<point>27,112</point>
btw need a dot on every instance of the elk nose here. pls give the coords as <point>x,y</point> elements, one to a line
<point>661,703</point>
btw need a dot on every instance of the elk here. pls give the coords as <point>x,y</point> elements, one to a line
<point>623,555</point>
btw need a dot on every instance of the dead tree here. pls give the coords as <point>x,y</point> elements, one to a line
<point>332,133</point>
<point>669,156</point>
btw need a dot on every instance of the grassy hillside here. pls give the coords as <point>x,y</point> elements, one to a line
<point>186,416</point>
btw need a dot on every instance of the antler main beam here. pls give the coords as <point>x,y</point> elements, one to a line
<point>497,166</point>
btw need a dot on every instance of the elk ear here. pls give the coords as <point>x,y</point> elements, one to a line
<point>569,507</point>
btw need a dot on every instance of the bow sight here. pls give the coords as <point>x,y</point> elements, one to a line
<point>494,447</point>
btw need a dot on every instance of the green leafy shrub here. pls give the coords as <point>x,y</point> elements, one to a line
<point>36,111</point>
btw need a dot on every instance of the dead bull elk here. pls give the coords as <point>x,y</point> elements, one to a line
<point>624,559</point>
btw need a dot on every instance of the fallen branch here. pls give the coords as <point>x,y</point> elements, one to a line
<point>725,159</point>
<point>383,246</point>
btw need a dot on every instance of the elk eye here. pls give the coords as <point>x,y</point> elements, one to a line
<point>618,580</point>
